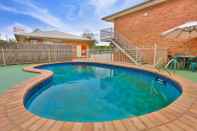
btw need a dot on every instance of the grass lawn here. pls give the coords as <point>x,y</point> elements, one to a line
<point>12,75</point>
<point>188,75</point>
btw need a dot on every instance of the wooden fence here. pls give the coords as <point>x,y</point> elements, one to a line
<point>34,53</point>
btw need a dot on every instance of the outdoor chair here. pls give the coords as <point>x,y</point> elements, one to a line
<point>193,64</point>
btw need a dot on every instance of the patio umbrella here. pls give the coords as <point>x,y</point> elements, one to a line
<point>183,32</point>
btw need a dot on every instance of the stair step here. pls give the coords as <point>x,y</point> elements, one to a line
<point>129,52</point>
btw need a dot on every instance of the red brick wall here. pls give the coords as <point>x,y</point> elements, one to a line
<point>146,30</point>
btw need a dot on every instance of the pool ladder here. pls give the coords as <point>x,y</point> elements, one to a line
<point>154,88</point>
<point>159,67</point>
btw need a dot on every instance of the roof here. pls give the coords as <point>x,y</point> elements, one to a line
<point>138,7</point>
<point>51,34</point>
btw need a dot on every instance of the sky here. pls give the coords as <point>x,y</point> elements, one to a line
<point>72,16</point>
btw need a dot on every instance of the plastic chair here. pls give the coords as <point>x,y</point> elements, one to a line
<point>194,66</point>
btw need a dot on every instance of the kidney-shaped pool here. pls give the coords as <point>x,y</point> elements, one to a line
<point>90,92</point>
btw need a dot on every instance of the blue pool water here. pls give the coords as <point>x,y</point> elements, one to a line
<point>82,92</point>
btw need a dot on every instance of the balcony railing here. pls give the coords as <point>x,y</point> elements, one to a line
<point>107,34</point>
<point>122,43</point>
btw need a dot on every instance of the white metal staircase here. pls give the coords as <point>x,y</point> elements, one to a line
<point>130,50</point>
<point>121,43</point>
<point>125,52</point>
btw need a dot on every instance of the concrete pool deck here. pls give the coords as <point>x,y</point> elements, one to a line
<point>181,115</point>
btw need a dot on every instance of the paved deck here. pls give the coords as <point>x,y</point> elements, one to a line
<point>179,116</point>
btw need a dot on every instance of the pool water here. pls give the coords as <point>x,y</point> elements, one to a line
<point>82,92</point>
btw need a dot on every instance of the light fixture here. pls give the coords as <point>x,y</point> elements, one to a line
<point>146,14</point>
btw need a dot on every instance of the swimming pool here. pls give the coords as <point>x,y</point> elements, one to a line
<point>90,92</point>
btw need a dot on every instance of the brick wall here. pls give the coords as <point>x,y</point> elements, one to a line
<point>145,30</point>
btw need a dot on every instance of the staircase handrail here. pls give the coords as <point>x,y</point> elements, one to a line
<point>121,49</point>
<point>124,41</point>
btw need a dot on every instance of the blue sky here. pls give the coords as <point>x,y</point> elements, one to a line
<point>72,16</point>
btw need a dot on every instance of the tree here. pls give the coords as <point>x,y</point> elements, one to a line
<point>88,34</point>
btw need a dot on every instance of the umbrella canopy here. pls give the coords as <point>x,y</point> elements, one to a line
<point>183,32</point>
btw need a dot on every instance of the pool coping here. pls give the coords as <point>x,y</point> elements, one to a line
<point>180,115</point>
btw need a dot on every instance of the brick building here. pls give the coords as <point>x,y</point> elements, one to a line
<point>143,24</point>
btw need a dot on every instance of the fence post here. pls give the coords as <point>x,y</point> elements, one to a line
<point>136,54</point>
<point>49,55</point>
<point>112,57</point>
<point>155,54</point>
<point>3,55</point>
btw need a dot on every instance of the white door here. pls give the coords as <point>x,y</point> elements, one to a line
<point>79,51</point>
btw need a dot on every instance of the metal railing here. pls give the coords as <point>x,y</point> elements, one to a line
<point>122,43</point>
<point>136,55</point>
<point>107,56</point>
<point>107,34</point>
<point>22,54</point>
